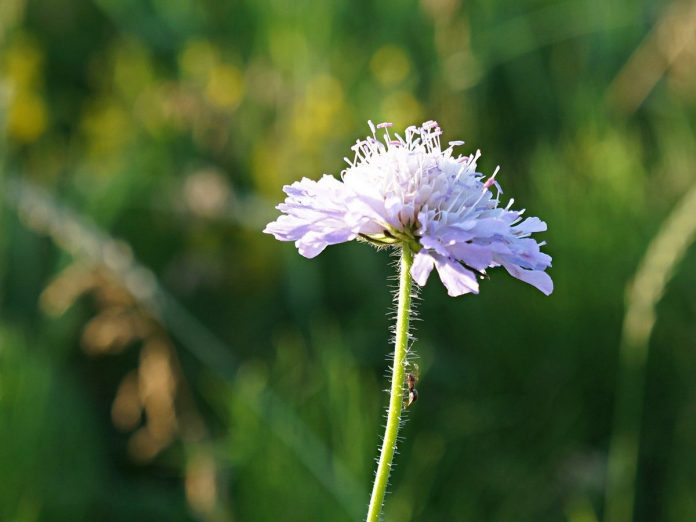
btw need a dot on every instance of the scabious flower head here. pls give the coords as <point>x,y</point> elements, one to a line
<point>408,190</point>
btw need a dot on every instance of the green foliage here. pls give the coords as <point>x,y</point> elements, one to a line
<point>161,359</point>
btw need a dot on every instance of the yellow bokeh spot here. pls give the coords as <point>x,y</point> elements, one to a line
<point>26,119</point>
<point>307,132</point>
<point>197,59</point>
<point>222,84</point>
<point>132,69</point>
<point>107,128</point>
<point>20,68</point>
<point>266,164</point>
<point>225,86</point>
<point>315,114</point>
<point>390,65</point>
<point>402,109</point>
<point>22,63</point>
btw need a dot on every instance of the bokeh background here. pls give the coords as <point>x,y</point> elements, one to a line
<point>162,359</point>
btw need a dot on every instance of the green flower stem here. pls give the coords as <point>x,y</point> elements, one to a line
<point>397,388</point>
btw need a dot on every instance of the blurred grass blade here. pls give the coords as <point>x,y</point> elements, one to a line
<point>671,37</point>
<point>538,28</point>
<point>84,241</point>
<point>294,433</point>
<point>656,269</point>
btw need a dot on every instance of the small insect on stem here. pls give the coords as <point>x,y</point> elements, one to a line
<point>411,380</point>
<point>412,392</point>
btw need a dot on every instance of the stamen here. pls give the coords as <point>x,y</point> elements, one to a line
<point>491,180</point>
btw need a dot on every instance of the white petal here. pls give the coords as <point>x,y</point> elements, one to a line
<point>422,266</point>
<point>538,279</point>
<point>529,225</point>
<point>479,257</point>
<point>433,244</point>
<point>457,279</point>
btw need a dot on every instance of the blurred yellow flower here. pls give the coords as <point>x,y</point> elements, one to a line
<point>108,130</point>
<point>225,86</point>
<point>132,69</point>
<point>27,113</point>
<point>390,65</point>
<point>197,58</point>
<point>22,63</point>
<point>316,112</point>
<point>222,83</point>
<point>26,119</point>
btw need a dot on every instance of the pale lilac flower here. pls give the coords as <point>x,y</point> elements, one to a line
<point>408,190</point>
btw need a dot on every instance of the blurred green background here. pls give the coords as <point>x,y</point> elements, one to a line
<point>162,359</point>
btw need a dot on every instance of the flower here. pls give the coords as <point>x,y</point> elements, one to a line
<point>407,190</point>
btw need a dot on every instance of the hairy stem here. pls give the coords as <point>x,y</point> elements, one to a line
<point>397,388</point>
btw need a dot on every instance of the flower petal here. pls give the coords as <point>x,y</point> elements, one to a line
<point>538,279</point>
<point>313,243</point>
<point>422,265</point>
<point>529,225</point>
<point>457,279</point>
<point>317,214</point>
<point>488,227</point>
<point>433,244</point>
<point>479,257</point>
